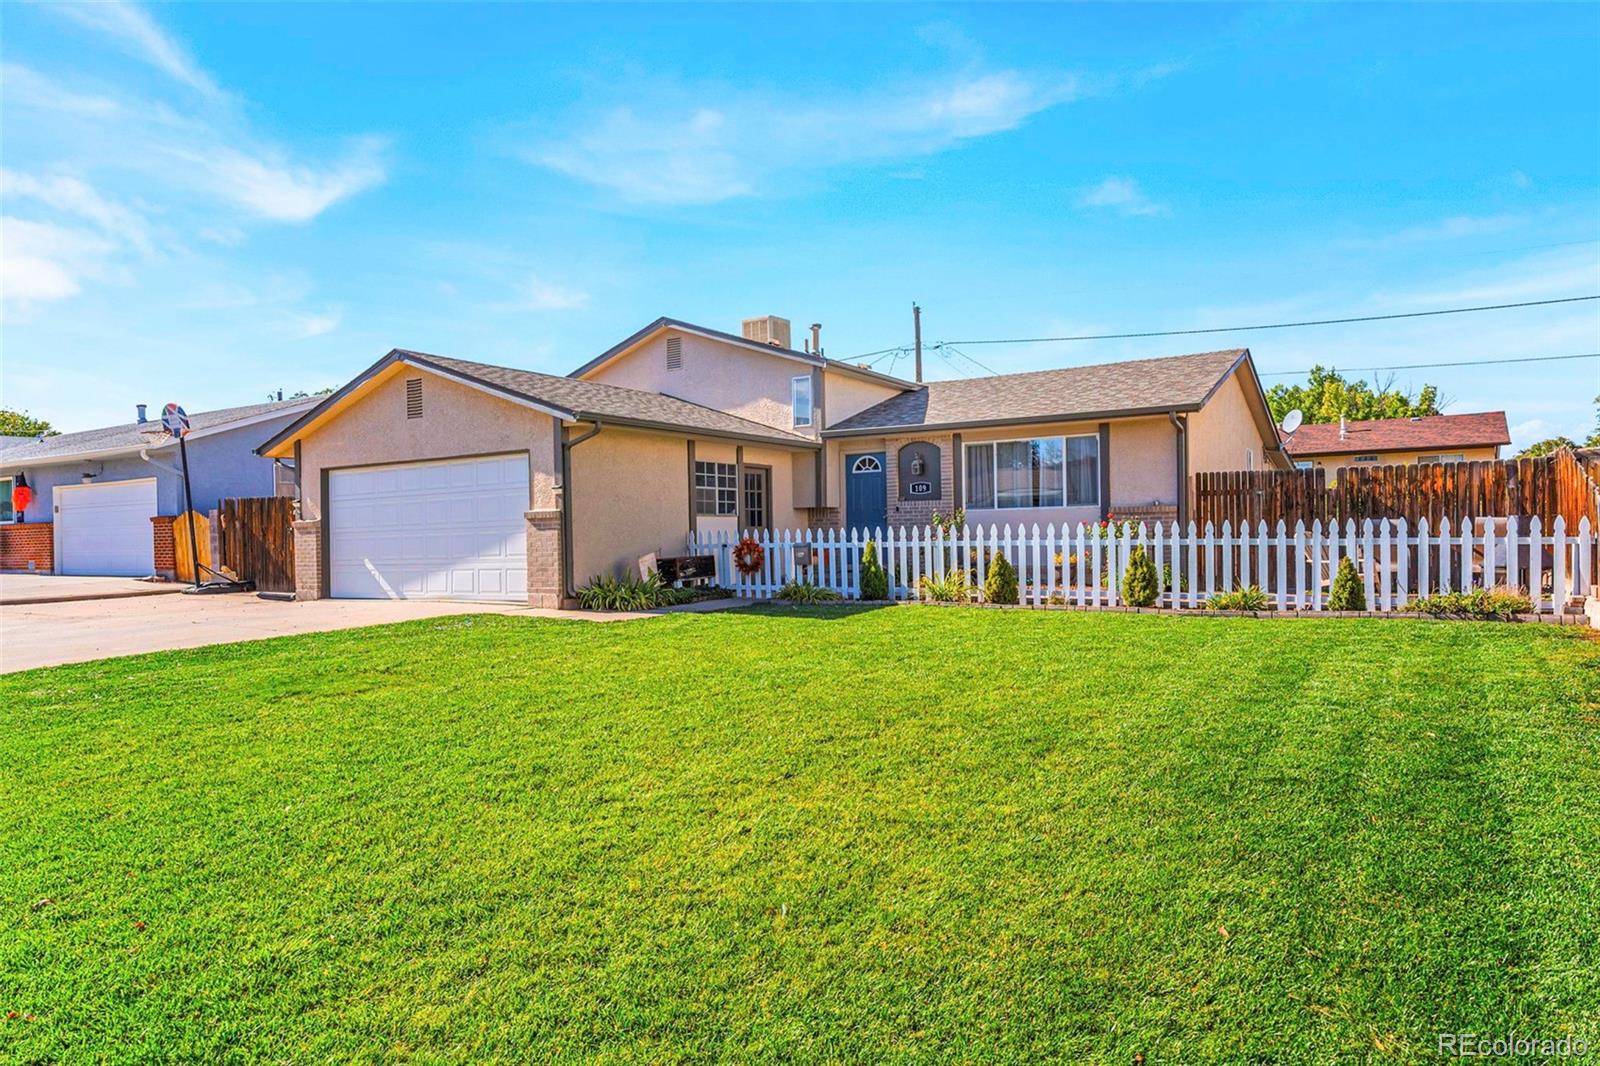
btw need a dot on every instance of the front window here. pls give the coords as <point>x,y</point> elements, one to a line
<point>1041,472</point>
<point>6,514</point>
<point>716,488</point>
<point>1452,457</point>
<point>800,399</point>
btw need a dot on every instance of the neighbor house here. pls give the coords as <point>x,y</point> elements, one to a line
<point>1399,441</point>
<point>104,499</point>
<point>427,476</point>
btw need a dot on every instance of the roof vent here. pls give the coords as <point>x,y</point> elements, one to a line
<point>413,397</point>
<point>768,329</point>
<point>1416,418</point>
<point>140,408</point>
<point>674,353</point>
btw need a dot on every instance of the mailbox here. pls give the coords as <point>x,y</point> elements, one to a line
<point>802,555</point>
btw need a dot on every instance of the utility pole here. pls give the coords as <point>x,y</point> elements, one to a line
<point>916,328</point>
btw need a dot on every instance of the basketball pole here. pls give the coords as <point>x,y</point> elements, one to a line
<point>188,507</point>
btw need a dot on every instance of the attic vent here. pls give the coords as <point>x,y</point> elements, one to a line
<point>674,353</point>
<point>413,397</point>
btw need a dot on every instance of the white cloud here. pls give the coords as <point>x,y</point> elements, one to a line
<point>40,262</point>
<point>693,152</point>
<point>315,325</point>
<point>1448,229</point>
<point>137,34</point>
<point>76,197</point>
<point>274,189</point>
<point>1123,196</point>
<point>28,88</point>
<point>540,295</point>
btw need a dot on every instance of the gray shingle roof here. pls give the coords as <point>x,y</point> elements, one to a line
<point>64,446</point>
<point>593,399</point>
<point>1180,381</point>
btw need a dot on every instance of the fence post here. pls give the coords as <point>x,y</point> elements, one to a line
<point>1422,556</point>
<point>1536,563</point>
<point>1559,570</point>
<point>1366,570</point>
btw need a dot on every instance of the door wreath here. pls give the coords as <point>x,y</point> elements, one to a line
<point>747,556</point>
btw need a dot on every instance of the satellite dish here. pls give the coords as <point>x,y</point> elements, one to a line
<point>1291,422</point>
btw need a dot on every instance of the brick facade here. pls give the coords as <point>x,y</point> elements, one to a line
<point>545,573</point>
<point>308,559</point>
<point>165,548</point>
<point>825,518</point>
<point>28,545</point>
<point>1165,513</point>
<point>919,513</point>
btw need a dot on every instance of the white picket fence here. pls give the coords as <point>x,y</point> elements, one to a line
<point>1083,566</point>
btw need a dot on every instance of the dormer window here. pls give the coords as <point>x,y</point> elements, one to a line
<point>800,399</point>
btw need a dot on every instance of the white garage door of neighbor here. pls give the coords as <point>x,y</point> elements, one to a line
<point>453,530</point>
<point>105,529</point>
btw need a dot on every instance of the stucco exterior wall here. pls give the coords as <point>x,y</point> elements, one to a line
<point>222,465</point>
<point>1333,463</point>
<point>457,421</point>
<point>1144,463</point>
<point>844,396</point>
<point>629,496</point>
<point>715,373</point>
<point>1223,435</point>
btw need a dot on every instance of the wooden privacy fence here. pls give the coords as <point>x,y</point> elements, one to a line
<point>1397,561</point>
<point>257,541</point>
<point>1548,486</point>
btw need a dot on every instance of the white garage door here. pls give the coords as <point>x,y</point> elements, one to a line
<point>453,530</point>
<point>105,529</point>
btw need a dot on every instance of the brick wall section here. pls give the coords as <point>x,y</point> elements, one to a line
<point>166,563</point>
<point>919,513</point>
<point>308,559</point>
<point>825,518</point>
<point>28,542</point>
<point>1166,514</point>
<point>545,577</point>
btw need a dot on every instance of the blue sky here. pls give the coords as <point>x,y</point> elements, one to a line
<point>207,202</point>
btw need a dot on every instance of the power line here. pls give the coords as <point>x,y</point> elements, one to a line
<point>968,358</point>
<point>1429,366</point>
<point>1278,325</point>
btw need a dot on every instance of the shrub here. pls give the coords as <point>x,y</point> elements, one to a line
<point>874,582</point>
<point>625,593</point>
<point>954,587</point>
<point>1347,593</point>
<point>1000,583</point>
<point>1139,579</point>
<point>1483,605</point>
<point>806,593</point>
<point>1249,599</point>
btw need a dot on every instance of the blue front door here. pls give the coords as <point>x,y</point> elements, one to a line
<point>865,491</point>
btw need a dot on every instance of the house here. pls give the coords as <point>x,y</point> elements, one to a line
<point>104,499</point>
<point>429,476</point>
<point>1399,441</point>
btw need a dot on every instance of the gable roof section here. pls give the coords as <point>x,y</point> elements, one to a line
<point>664,323</point>
<point>126,438</point>
<point>1141,386</point>
<point>1480,430</point>
<point>564,397</point>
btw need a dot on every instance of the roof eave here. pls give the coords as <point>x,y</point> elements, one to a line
<point>640,336</point>
<point>680,430</point>
<point>1082,416</point>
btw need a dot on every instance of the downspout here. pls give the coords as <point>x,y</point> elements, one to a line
<point>1181,426</point>
<point>567,589</point>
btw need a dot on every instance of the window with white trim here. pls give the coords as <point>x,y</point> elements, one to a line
<point>716,488</point>
<point>1450,457</point>
<point>1033,472</point>
<point>800,399</point>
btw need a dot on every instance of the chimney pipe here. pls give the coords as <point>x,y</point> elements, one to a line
<point>280,394</point>
<point>816,338</point>
<point>140,407</point>
<point>1344,431</point>
<point>916,328</point>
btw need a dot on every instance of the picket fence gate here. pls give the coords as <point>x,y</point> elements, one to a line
<point>1084,566</point>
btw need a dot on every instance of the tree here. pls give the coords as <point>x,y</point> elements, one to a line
<point>1000,585</point>
<point>22,424</point>
<point>1139,579</point>
<point>1545,447</point>
<point>1347,593</point>
<point>1327,394</point>
<point>304,395</point>
<point>874,582</point>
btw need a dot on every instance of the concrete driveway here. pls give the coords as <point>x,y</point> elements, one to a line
<point>51,588</point>
<point>48,634</point>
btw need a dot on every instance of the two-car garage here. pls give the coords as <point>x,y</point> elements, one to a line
<point>450,529</point>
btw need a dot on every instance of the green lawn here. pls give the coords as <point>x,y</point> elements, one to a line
<point>820,836</point>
